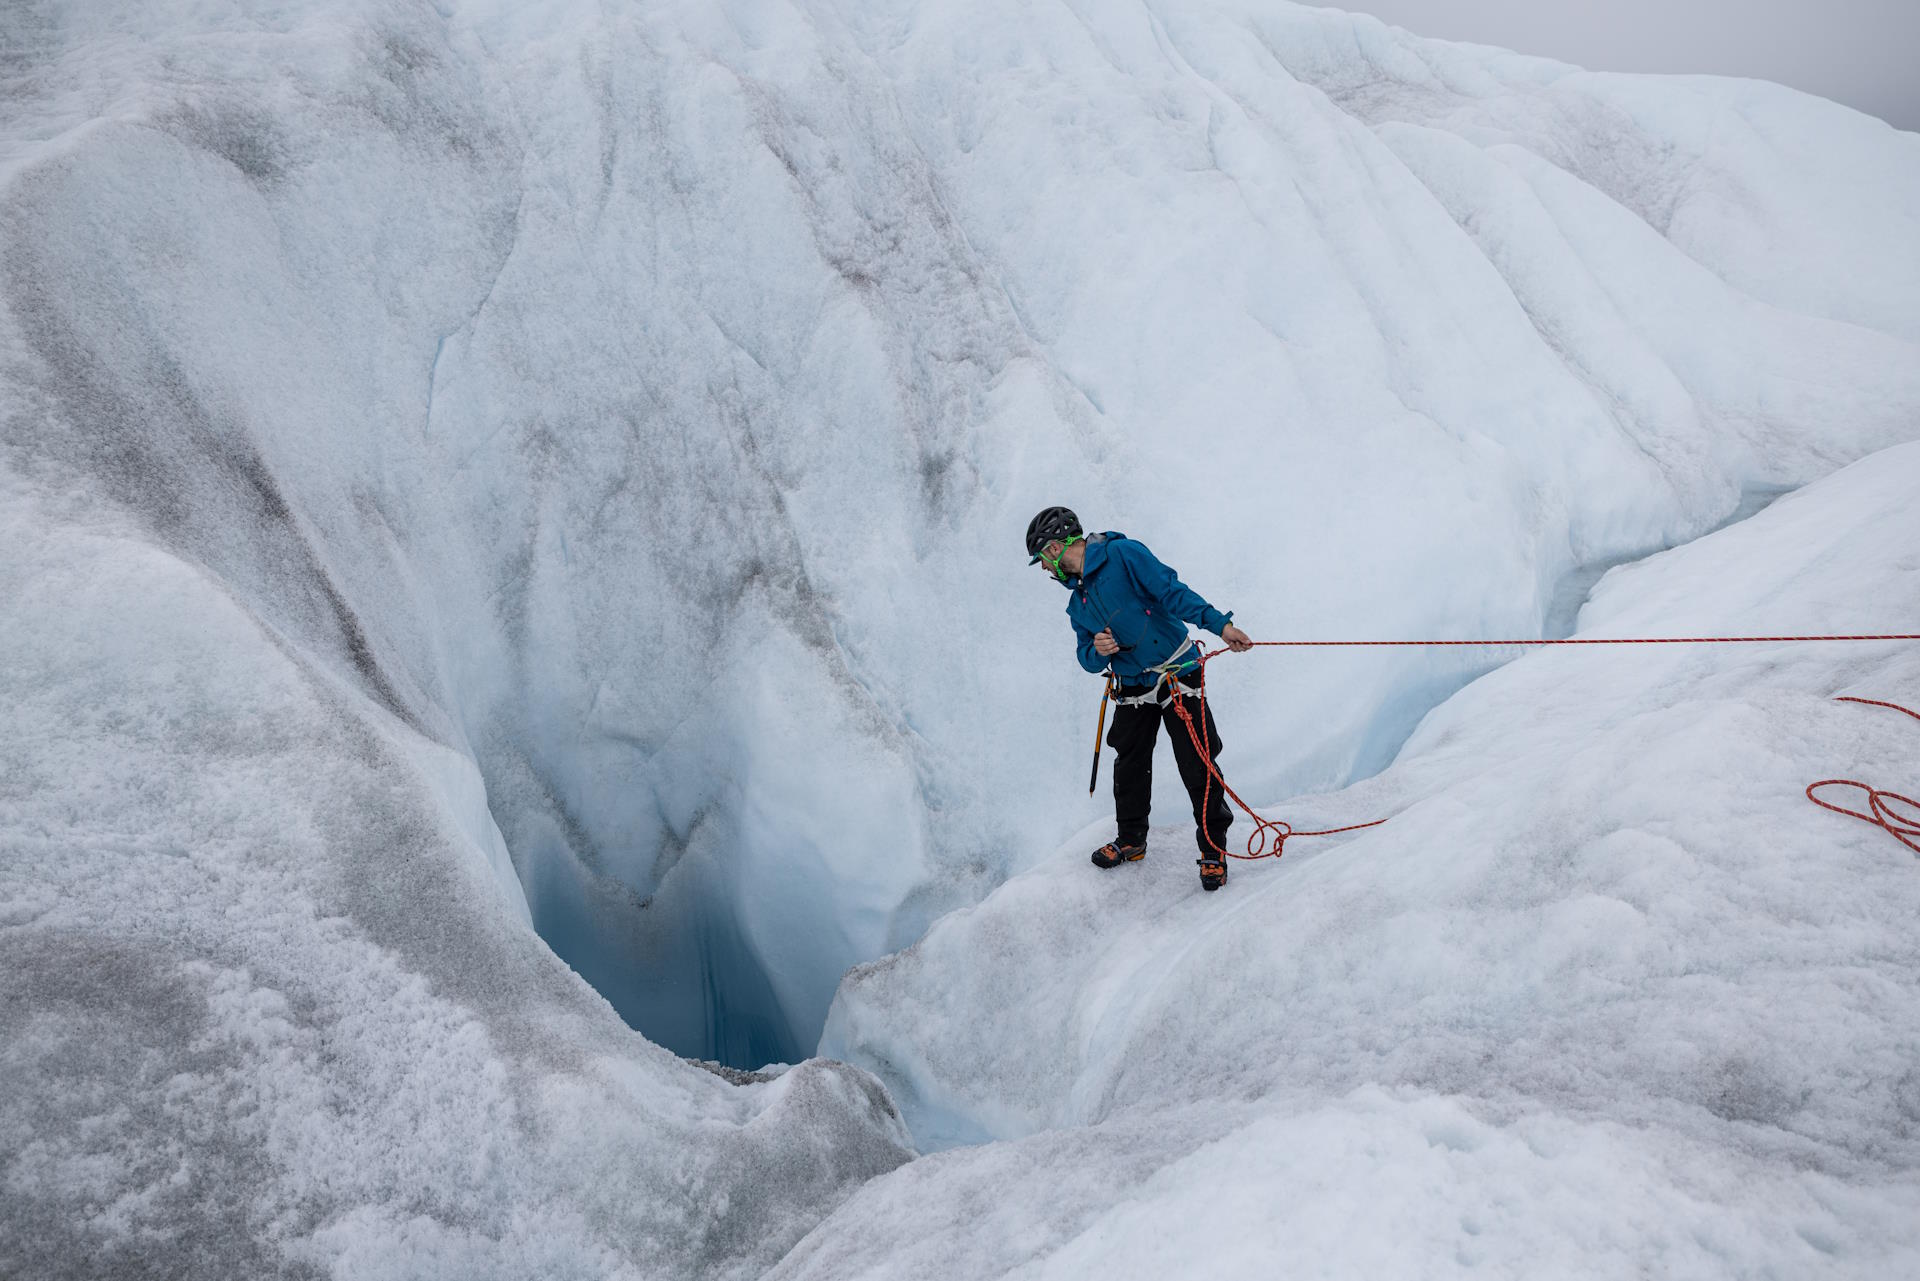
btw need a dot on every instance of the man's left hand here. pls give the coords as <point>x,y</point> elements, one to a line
<point>1237,641</point>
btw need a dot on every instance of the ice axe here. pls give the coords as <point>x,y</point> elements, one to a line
<point>1100,732</point>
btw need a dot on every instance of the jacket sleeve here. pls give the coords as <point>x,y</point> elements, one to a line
<point>1089,656</point>
<point>1159,584</point>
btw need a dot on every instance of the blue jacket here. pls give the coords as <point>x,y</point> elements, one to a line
<point>1124,586</point>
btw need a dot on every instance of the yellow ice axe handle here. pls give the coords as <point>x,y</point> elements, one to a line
<point>1099,733</point>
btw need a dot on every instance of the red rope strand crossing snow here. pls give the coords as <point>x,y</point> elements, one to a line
<point>1269,836</point>
<point>1569,640</point>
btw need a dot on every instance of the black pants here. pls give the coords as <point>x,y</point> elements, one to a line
<point>1134,731</point>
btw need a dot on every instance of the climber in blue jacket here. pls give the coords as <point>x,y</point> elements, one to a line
<point>1130,613</point>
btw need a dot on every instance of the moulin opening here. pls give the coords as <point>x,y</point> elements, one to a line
<point>674,962</point>
<point>707,995</point>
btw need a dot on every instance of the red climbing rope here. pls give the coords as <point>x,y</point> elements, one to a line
<point>1272,832</point>
<point>1880,803</point>
<point>1266,831</point>
<point>1571,640</point>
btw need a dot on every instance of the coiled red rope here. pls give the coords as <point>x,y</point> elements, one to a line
<point>1270,835</point>
<point>1901,827</point>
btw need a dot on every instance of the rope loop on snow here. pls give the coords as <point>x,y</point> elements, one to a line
<point>1269,836</point>
<point>1904,828</point>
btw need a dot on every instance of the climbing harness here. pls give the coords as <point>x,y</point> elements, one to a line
<point>1904,828</point>
<point>1166,679</point>
<point>1269,836</point>
<point>1166,686</point>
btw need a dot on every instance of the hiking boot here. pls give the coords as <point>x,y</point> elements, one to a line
<point>1213,873</point>
<point>1113,854</point>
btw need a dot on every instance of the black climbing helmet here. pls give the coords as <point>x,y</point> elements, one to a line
<point>1054,522</point>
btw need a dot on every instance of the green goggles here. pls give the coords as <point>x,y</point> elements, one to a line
<point>1053,562</point>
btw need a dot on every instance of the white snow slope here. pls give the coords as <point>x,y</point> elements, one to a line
<point>490,488</point>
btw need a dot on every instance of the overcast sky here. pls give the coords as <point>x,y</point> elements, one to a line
<point>1865,53</point>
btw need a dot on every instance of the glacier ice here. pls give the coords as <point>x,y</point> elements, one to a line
<point>488,486</point>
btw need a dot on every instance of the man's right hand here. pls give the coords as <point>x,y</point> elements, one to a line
<point>1104,644</point>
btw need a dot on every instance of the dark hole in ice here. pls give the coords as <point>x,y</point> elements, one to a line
<point>682,974</point>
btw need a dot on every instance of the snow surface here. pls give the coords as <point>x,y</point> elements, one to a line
<point>473,466</point>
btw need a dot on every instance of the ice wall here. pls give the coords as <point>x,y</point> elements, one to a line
<point>619,422</point>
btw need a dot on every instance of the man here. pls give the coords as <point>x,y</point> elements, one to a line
<point>1130,613</point>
